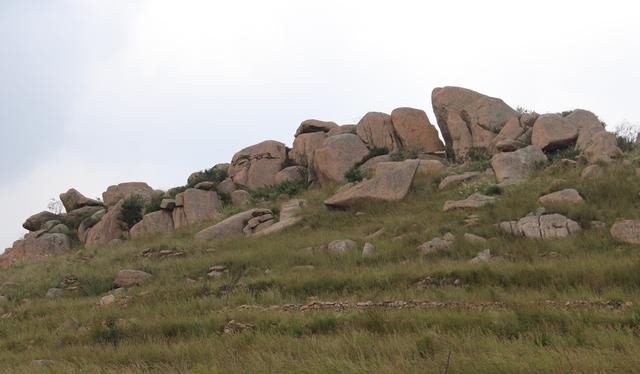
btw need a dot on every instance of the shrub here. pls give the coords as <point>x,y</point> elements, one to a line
<point>626,134</point>
<point>132,210</point>
<point>561,153</point>
<point>273,191</point>
<point>154,205</point>
<point>405,154</point>
<point>354,174</point>
<point>215,174</point>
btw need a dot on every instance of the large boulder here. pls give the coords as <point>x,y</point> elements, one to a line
<point>551,132</point>
<point>195,206</point>
<point>626,231</point>
<point>72,200</point>
<point>468,119</point>
<point>33,246</point>
<point>88,223</point>
<point>514,166</point>
<point>35,222</point>
<point>393,185</point>
<point>515,134</point>
<point>230,226</point>
<point>602,147</point>
<point>337,155</point>
<point>256,166</point>
<point>587,124</point>
<point>109,228</point>
<point>376,131</point>
<point>303,147</point>
<point>158,222</point>
<point>414,130</point>
<point>292,174</point>
<point>314,125</point>
<point>115,193</point>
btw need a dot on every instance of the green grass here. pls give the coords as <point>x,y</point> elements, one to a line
<point>568,305</point>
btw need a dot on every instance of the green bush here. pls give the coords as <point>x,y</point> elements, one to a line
<point>154,205</point>
<point>354,174</point>
<point>132,210</point>
<point>214,174</point>
<point>272,192</point>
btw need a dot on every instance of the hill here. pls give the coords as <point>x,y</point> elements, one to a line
<point>478,267</point>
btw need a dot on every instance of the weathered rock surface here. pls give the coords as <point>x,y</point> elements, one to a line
<point>337,155</point>
<point>195,206</point>
<point>546,226</point>
<point>390,186</point>
<point>240,198</point>
<point>602,147</point>
<point>377,131</point>
<point>289,216</point>
<point>430,167</point>
<point>514,166</point>
<point>33,246</point>
<point>341,246</point>
<point>551,132</point>
<point>205,185</point>
<point>159,222</point>
<point>117,192</point>
<point>369,166</point>
<point>35,222</point>
<point>592,172</point>
<point>368,250</point>
<point>168,204</point>
<point>475,201</point>
<point>437,244</point>
<point>468,119</point>
<point>72,200</point>
<point>314,125</point>
<point>566,196</point>
<point>110,227</point>
<point>128,278</point>
<point>304,146</point>
<point>626,231</point>
<point>414,131</point>
<point>587,124</point>
<point>226,186</point>
<point>291,174</point>
<point>230,226</point>
<point>256,166</point>
<point>344,129</point>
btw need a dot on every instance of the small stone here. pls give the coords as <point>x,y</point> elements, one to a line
<point>107,300</point>
<point>483,256</point>
<point>54,292</point>
<point>474,239</point>
<point>368,250</point>
<point>341,246</point>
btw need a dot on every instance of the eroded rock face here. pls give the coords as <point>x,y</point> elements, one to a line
<point>546,226</point>
<point>33,246</point>
<point>35,222</point>
<point>377,131</point>
<point>291,174</point>
<point>195,206</point>
<point>117,192</point>
<point>468,119</point>
<point>602,147</point>
<point>392,185</point>
<point>72,200</point>
<point>414,131</point>
<point>337,155</point>
<point>514,166</point>
<point>626,231</point>
<point>314,125</point>
<point>551,132</point>
<point>231,226</point>
<point>256,166</point>
<point>154,223</point>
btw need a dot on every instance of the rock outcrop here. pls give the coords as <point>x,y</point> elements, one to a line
<point>72,200</point>
<point>195,206</point>
<point>35,245</point>
<point>551,132</point>
<point>415,132</point>
<point>314,125</point>
<point>567,196</point>
<point>109,227</point>
<point>337,155</point>
<point>117,192</point>
<point>256,166</point>
<point>154,223</point>
<point>377,131</point>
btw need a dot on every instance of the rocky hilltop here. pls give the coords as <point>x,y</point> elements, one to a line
<point>374,160</point>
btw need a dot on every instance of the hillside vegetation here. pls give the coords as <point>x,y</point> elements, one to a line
<point>569,305</point>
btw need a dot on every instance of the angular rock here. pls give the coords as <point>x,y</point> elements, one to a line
<point>551,132</point>
<point>72,200</point>
<point>35,222</point>
<point>168,204</point>
<point>376,131</point>
<point>115,193</point>
<point>514,166</point>
<point>587,124</point>
<point>226,186</point>
<point>289,216</point>
<point>602,147</point>
<point>196,206</point>
<point>304,146</point>
<point>314,125</point>
<point>626,231</point>
<point>414,131</point>
<point>369,167</point>
<point>468,119</point>
<point>455,180</point>
<point>341,246</point>
<point>34,246</point>
<point>291,174</point>
<point>60,228</point>
<point>483,256</point>
<point>337,155</point>
<point>160,222</point>
<point>508,145</point>
<point>475,201</point>
<point>240,198</point>
<point>390,186</point>
<point>230,226</point>
<point>128,278</point>
<point>566,196</point>
<point>256,166</point>
<point>110,227</point>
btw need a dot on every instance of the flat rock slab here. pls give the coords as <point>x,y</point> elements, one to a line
<point>474,201</point>
<point>390,186</point>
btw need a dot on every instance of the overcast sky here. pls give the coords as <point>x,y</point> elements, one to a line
<point>94,93</point>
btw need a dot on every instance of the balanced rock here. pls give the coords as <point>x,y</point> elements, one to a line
<point>230,226</point>
<point>336,156</point>
<point>566,196</point>
<point>377,131</point>
<point>626,231</point>
<point>587,124</point>
<point>72,200</point>
<point>159,222</point>
<point>314,125</point>
<point>115,193</point>
<point>514,166</point>
<point>256,166</point>
<point>344,129</point>
<point>551,132</point>
<point>390,186</point>
<point>468,119</point>
<point>35,222</point>
<point>602,147</point>
<point>128,278</point>
<point>475,201</point>
<point>414,131</point>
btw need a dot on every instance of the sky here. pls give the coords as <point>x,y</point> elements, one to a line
<point>98,92</point>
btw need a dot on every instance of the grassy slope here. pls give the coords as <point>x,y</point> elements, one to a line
<point>175,322</point>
